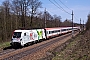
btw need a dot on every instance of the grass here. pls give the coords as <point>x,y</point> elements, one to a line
<point>78,49</point>
<point>63,55</point>
<point>4,44</point>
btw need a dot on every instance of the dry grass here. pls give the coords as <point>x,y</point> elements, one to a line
<point>78,49</point>
<point>3,45</point>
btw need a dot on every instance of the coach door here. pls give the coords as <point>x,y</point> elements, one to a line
<point>26,37</point>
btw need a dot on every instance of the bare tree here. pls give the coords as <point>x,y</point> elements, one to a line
<point>6,10</point>
<point>57,20</point>
<point>88,23</point>
<point>6,5</point>
<point>67,23</point>
<point>34,5</point>
<point>19,8</point>
<point>2,36</point>
<point>23,7</point>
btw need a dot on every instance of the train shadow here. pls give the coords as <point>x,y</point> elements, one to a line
<point>10,47</point>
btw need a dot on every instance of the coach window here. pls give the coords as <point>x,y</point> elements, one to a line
<point>63,30</point>
<point>55,31</point>
<point>58,30</point>
<point>52,31</point>
<point>24,34</point>
<point>70,29</point>
<point>47,32</point>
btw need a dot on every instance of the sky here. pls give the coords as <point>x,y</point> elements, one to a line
<point>81,9</point>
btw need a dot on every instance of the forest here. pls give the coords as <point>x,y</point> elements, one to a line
<point>26,14</point>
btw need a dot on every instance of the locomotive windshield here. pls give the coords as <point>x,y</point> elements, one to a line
<point>17,35</point>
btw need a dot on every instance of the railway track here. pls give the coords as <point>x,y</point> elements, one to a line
<point>21,54</point>
<point>6,51</point>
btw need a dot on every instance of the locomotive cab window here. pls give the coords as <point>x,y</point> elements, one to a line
<point>17,35</point>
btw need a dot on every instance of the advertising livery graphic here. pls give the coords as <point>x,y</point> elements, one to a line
<point>39,34</point>
<point>31,36</point>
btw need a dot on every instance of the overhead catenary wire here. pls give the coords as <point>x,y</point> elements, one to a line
<point>76,18</point>
<point>59,7</point>
<point>69,9</point>
<point>55,4</point>
<point>65,5</point>
<point>49,11</point>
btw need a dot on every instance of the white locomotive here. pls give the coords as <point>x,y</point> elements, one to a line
<point>25,37</point>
